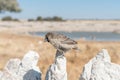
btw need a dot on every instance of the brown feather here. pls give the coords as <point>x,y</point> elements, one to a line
<point>60,41</point>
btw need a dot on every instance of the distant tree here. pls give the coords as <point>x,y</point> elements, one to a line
<point>7,18</point>
<point>39,18</point>
<point>31,20</point>
<point>47,19</point>
<point>9,5</point>
<point>56,18</point>
<point>15,19</point>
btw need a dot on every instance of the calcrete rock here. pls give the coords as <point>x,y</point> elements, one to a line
<point>101,68</point>
<point>25,69</point>
<point>57,71</point>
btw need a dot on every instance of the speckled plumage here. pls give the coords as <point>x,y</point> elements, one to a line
<point>60,41</point>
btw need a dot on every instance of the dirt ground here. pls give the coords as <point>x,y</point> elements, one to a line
<point>15,46</point>
<point>67,26</point>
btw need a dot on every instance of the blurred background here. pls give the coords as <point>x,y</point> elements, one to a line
<point>93,24</point>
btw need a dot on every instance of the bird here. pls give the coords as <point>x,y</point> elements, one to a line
<point>61,42</point>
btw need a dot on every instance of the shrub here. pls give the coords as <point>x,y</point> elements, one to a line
<point>56,18</point>
<point>7,18</point>
<point>15,19</point>
<point>47,19</point>
<point>39,18</point>
<point>31,20</point>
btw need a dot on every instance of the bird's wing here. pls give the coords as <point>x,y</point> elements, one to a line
<point>68,41</point>
<point>64,39</point>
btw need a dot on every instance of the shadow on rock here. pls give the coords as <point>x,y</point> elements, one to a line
<point>32,75</point>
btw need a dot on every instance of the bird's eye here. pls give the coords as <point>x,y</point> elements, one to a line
<point>46,39</point>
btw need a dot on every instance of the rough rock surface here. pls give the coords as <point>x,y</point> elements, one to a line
<point>57,71</point>
<point>101,68</point>
<point>24,69</point>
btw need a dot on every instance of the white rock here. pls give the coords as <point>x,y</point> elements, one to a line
<point>12,66</point>
<point>57,71</point>
<point>1,73</point>
<point>26,69</point>
<point>30,60</point>
<point>101,68</point>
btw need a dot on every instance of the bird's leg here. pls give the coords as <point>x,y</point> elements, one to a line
<point>60,60</point>
<point>59,53</point>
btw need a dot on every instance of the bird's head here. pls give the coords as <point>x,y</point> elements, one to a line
<point>48,37</point>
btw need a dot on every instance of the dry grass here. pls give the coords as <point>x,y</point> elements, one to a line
<point>12,45</point>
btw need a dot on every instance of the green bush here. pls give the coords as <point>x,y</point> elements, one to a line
<point>56,18</point>
<point>15,20</point>
<point>7,18</point>
<point>39,18</point>
<point>47,19</point>
<point>31,20</point>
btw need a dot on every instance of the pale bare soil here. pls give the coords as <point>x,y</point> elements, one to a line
<point>68,26</point>
<point>14,45</point>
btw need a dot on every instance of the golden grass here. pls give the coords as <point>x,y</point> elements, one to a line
<point>12,46</point>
